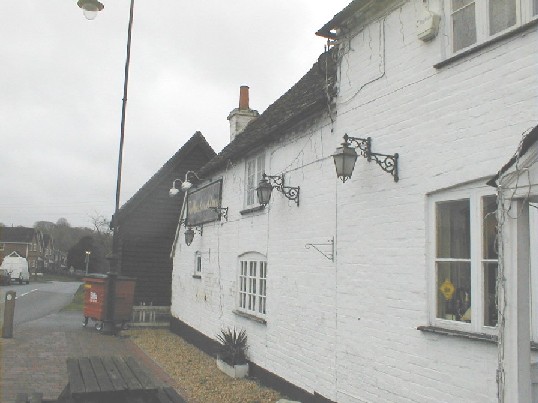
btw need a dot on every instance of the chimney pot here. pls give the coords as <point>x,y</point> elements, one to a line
<point>243,97</point>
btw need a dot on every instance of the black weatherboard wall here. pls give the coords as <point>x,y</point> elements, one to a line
<point>148,221</point>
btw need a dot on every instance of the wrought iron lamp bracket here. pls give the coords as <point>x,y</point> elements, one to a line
<point>387,162</point>
<point>277,182</point>
<point>317,246</point>
<point>364,145</point>
<point>221,211</point>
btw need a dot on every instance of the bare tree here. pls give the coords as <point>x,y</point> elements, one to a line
<point>102,230</point>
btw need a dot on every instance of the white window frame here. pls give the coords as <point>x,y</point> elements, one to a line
<point>525,13</point>
<point>475,194</point>
<point>258,163</point>
<point>252,284</point>
<point>198,265</point>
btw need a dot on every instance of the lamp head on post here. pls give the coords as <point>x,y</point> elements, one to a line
<point>90,8</point>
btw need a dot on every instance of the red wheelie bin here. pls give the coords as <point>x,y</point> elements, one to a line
<point>96,299</point>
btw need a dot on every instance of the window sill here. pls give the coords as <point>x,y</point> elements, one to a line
<point>197,276</point>
<point>252,210</point>
<point>467,335</point>
<point>491,338</point>
<point>483,45</point>
<point>249,316</point>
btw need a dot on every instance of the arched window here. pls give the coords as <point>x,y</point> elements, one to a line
<point>252,290</point>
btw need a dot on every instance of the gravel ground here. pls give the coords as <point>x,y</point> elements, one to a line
<point>196,373</point>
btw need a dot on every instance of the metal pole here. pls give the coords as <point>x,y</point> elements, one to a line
<point>115,264</point>
<point>86,263</point>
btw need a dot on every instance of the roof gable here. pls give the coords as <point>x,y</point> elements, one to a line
<point>356,15</point>
<point>17,234</point>
<point>197,140</point>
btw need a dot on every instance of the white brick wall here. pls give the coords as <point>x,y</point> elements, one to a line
<point>347,329</point>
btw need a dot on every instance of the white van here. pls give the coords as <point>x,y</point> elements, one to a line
<point>17,266</point>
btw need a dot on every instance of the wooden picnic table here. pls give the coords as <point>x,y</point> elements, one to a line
<point>109,380</point>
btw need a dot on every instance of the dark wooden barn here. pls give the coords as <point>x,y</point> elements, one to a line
<point>148,221</point>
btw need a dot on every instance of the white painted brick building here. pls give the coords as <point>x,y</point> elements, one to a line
<point>343,324</point>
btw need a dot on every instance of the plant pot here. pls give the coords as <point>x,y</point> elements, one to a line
<point>235,371</point>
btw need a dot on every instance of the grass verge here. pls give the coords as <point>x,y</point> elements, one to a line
<point>77,304</point>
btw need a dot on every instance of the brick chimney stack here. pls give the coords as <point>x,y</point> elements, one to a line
<point>240,117</point>
<point>243,97</point>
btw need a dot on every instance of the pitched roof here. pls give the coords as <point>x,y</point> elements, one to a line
<point>365,11</point>
<point>348,11</point>
<point>17,234</point>
<point>197,140</point>
<point>529,139</point>
<point>311,94</point>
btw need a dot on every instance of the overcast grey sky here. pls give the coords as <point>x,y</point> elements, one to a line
<point>61,84</point>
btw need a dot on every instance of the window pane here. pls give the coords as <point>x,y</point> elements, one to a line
<point>260,167</point>
<point>453,230</point>
<point>490,293</point>
<point>489,222</point>
<point>502,15</point>
<point>251,181</point>
<point>463,25</point>
<point>454,291</point>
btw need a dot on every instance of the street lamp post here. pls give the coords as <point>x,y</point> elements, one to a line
<point>90,9</point>
<point>115,262</point>
<point>87,260</point>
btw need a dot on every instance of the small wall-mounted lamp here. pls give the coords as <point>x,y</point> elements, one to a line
<point>268,183</point>
<point>185,184</point>
<point>189,234</point>
<point>345,157</point>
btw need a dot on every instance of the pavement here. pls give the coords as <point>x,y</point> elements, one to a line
<point>34,360</point>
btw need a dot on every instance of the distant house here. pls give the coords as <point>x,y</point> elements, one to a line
<point>27,242</point>
<point>48,252</point>
<point>148,221</point>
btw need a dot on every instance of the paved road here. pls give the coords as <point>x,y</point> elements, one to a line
<point>37,300</point>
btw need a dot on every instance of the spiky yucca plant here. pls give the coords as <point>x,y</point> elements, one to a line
<point>233,346</point>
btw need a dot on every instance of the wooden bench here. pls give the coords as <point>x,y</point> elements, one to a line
<point>114,380</point>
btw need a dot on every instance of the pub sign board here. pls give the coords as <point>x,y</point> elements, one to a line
<point>200,201</point>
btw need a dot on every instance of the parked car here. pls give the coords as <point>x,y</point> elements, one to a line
<point>5,277</point>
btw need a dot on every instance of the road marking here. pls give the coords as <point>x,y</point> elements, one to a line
<point>26,293</point>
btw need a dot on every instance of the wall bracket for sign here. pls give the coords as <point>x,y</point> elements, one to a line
<point>326,249</point>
